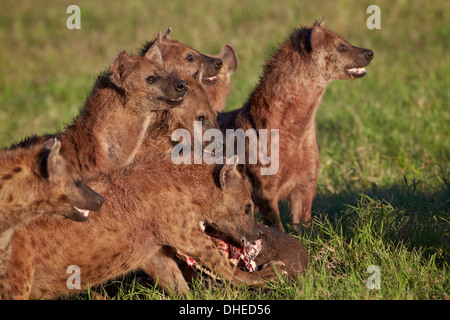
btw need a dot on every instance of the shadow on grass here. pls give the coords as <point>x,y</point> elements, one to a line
<point>412,214</point>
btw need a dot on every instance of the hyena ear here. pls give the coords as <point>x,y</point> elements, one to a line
<point>49,161</point>
<point>229,58</point>
<point>317,34</point>
<point>319,24</point>
<point>154,54</point>
<point>158,37</point>
<point>229,176</point>
<point>167,34</point>
<point>117,68</point>
<point>322,22</point>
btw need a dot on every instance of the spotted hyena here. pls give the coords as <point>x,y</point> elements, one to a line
<point>286,98</point>
<point>34,182</point>
<point>186,61</point>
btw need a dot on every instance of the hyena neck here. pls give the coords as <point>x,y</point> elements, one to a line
<point>289,90</point>
<point>17,206</point>
<point>5,237</point>
<point>122,137</point>
<point>18,182</point>
<point>14,216</point>
<point>107,133</point>
<point>219,92</point>
<point>202,179</point>
<point>154,144</point>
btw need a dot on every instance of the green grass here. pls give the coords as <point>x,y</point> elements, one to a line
<point>407,247</point>
<point>383,190</point>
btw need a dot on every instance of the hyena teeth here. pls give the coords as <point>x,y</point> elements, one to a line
<point>357,70</point>
<point>83,211</point>
<point>210,80</point>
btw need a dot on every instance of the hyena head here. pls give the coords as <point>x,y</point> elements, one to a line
<point>144,82</point>
<point>332,56</point>
<point>194,114</point>
<point>185,60</point>
<point>234,214</point>
<point>67,194</point>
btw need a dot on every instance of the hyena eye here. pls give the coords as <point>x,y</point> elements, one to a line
<point>190,58</point>
<point>342,48</point>
<point>201,118</point>
<point>151,79</point>
<point>248,208</point>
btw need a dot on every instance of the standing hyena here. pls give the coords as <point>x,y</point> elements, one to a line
<point>186,61</point>
<point>33,182</point>
<point>287,98</point>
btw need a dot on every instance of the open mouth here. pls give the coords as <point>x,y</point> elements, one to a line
<point>81,214</point>
<point>210,80</point>
<point>356,72</point>
<point>241,255</point>
<point>173,101</point>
